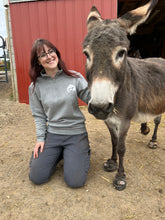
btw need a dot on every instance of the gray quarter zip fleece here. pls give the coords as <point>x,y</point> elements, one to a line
<point>54,104</point>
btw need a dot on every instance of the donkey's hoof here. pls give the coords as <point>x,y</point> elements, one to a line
<point>152,144</point>
<point>110,165</point>
<point>120,182</point>
<point>145,130</point>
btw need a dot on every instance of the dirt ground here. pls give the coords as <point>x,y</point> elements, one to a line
<point>143,199</point>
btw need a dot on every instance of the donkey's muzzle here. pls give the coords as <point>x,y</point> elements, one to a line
<point>100,111</point>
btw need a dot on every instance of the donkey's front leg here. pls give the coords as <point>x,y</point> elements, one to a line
<point>111,164</point>
<point>120,178</point>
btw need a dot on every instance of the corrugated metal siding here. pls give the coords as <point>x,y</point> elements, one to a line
<point>62,22</point>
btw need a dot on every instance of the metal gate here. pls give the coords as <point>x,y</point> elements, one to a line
<point>3,64</point>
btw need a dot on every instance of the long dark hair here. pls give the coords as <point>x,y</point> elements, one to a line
<point>35,68</point>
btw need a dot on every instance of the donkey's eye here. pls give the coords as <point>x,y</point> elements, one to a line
<point>120,54</point>
<point>87,55</point>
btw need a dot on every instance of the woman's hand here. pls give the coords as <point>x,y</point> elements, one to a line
<point>36,148</point>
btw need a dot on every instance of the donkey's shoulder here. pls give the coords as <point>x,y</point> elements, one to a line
<point>141,65</point>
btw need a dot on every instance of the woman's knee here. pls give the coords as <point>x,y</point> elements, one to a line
<point>38,178</point>
<point>75,181</point>
<point>74,184</point>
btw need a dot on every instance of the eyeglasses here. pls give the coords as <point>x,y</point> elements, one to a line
<point>51,52</point>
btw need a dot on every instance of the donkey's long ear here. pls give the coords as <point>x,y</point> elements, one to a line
<point>93,17</point>
<point>132,19</point>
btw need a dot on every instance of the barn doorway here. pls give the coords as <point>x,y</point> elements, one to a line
<point>149,39</point>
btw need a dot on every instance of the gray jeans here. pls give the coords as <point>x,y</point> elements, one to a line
<point>75,151</point>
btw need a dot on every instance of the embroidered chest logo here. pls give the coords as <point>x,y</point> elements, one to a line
<point>71,88</point>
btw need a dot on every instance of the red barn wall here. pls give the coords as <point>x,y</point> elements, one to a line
<point>63,22</point>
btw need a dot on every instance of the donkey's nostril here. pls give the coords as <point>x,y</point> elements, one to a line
<point>91,108</point>
<point>109,107</point>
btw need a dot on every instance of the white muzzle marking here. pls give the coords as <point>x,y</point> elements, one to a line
<point>103,91</point>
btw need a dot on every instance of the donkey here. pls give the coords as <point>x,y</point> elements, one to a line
<point>122,88</point>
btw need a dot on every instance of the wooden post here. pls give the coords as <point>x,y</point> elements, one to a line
<point>11,54</point>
